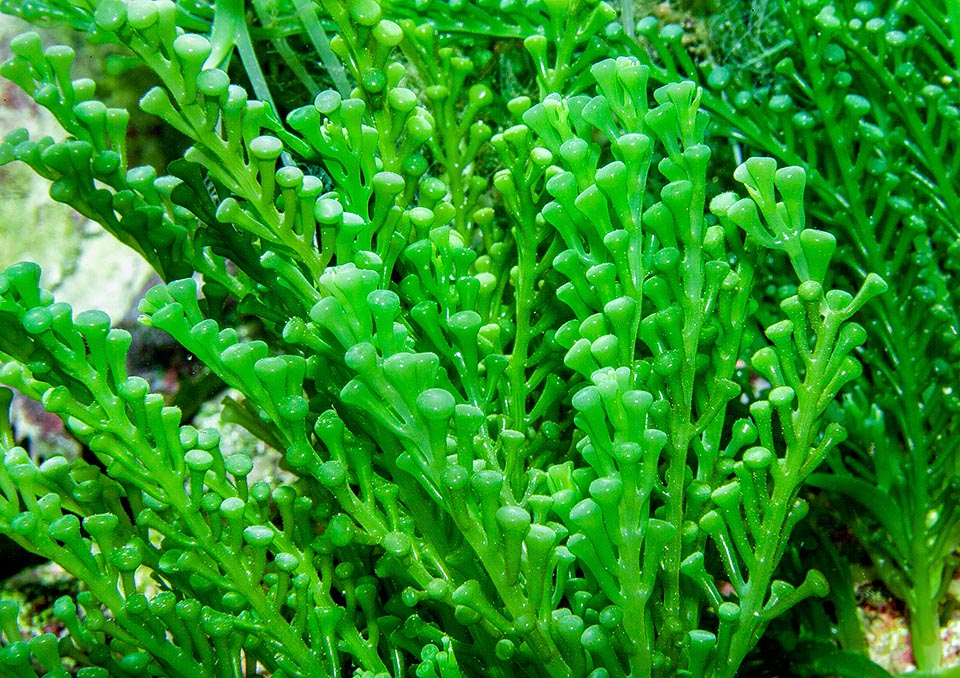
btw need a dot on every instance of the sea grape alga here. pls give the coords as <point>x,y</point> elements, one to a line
<point>864,96</point>
<point>499,343</point>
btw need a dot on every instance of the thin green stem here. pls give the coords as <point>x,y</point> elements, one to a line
<point>306,12</point>
<point>925,638</point>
